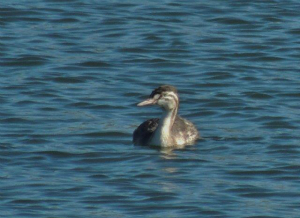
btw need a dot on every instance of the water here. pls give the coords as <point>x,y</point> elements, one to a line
<point>73,71</point>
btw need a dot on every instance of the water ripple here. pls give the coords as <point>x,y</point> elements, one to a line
<point>73,71</point>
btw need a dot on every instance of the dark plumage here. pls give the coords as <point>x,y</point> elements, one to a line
<point>144,132</point>
<point>164,88</point>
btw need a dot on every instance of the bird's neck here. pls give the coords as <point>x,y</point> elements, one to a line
<point>162,134</point>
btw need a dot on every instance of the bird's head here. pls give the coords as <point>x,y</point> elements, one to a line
<point>165,96</point>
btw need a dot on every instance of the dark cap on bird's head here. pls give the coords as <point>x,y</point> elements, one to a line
<point>163,88</point>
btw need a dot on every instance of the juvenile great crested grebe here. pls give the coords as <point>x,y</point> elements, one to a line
<point>170,130</point>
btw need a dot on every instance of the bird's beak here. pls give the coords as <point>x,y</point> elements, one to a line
<point>149,101</point>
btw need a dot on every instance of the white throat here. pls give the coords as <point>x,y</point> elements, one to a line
<point>162,136</point>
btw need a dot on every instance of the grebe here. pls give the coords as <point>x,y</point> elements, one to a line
<point>170,130</point>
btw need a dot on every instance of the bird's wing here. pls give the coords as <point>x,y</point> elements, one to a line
<point>143,133</point>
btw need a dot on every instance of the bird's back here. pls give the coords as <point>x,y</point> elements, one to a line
<point>142,134</point>
<point>183,132</point>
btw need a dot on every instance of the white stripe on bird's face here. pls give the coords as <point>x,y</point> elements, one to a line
<point>168,100</point>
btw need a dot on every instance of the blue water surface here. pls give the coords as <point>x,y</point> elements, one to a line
<point>73,71</point>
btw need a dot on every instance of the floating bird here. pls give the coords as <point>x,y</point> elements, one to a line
<point>170,130</point>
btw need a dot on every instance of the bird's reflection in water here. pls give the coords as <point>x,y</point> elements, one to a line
<point>168,153</point>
